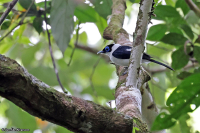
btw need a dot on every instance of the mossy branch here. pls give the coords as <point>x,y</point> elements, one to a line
<point>43,101</point>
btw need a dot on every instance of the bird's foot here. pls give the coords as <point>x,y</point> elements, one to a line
<point>125,71</point>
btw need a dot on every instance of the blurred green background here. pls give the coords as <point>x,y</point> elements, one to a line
<point>91,77</point>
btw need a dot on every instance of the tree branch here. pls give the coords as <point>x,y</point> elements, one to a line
<point>40,100</point>
<point>51,53</point>
<point>9,8</point>
<point>114,31</point>
<point>193,7</point>
<point>91,50</point>
<point>128,97</point>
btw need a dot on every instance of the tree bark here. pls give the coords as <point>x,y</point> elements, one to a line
<point>132,95</point>
<point>41,100</point>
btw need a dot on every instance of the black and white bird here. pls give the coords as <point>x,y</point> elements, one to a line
<point>120,55</point>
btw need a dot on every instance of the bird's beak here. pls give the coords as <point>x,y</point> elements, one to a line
<point>100,52</point>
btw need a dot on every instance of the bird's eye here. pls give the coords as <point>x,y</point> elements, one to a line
<point>107,49</point>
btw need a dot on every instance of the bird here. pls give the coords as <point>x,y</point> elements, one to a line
<point>120,55</point>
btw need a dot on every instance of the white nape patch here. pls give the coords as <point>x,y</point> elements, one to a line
<point>128,49</point>
<point>114,47</point>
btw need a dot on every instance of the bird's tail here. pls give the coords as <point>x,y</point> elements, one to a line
<point>161,64</point>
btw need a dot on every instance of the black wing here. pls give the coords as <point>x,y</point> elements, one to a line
<point>122,52</point>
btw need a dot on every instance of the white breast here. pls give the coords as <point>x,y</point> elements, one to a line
<point>121,62</point>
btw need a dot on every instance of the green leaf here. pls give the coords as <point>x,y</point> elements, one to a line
<point>179,59</point>
<point>19,32</point>
<point>197,53</point>
<point>170,2</point>
<point>26,3</point>
<point>162,121</point>
<point>184,95</point>
<point>103,7</point>
<point>184,7</point>
<point>37,24</point>
<point>185,98</point>
<point>183,75</point>
<point>62,22</point>
<point>174,39</point>
<point>163,11</point>
<point>85,13</point>
<point>156,32</point>
<point>5,25</point>
<point>187,30</point>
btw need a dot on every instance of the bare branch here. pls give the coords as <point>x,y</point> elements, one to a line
<point>40,100</point>
<point>9,8</point>
<point>51,53</point>
<point>91,50</point>
<point>193,7</point>
<point>114,31</point>
<point>86,48</point>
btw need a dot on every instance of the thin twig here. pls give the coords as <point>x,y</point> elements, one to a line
<point>51,53</point>
<point>86,48</point>
<point>23,17</point>
<point>75,45</point>
<point>92,51</point>
<point>9,8</point>
<point>20,23</point>
<point>8,33</point>
<point>193,7</point>
<point>93,69</point>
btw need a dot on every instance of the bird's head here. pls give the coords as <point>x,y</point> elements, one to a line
<point>107,49</point>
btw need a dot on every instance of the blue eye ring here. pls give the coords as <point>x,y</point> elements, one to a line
<point>107,48</point>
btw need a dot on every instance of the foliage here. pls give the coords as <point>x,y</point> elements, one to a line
<point>176,38</point>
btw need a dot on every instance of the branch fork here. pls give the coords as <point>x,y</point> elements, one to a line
<point>132,91</point>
